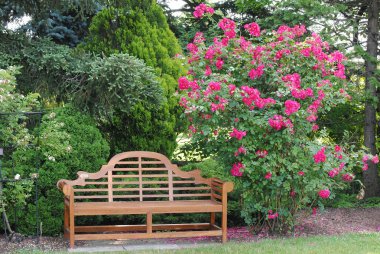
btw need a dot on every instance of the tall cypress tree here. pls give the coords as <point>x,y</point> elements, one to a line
<point>139,28</point>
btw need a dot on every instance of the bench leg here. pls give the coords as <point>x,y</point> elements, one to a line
<point>66,222</point>
<point>72,228</point>
<point>224,226</point>
<point>212,219</point>
<point>149,223</point>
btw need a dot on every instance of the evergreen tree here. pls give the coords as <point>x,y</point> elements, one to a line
<point>139,28</point>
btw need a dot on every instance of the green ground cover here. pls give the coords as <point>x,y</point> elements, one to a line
<point>347,244</point>
<point>360,243</point>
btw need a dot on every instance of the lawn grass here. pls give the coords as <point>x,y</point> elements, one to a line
<point>347,244</point>
<point>359,243</point>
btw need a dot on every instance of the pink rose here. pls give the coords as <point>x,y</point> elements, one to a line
<point>291,107</point>
<point>268,175</point>
<point>320,156</point>
<point>324,193</point>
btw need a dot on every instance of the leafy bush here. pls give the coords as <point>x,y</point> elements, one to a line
<point>253,103</point>
<point>351,201</point>
<point>212,168</point>
<point>13,133</point>
<point>69,142</point>
<point>209,168</point>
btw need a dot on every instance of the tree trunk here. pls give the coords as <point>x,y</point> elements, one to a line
<point>371,177</point>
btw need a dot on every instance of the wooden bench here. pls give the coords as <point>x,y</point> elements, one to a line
<point>143,183</point>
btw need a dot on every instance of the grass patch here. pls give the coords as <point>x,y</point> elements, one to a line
<point>360,243</point>
<point>347,244</point>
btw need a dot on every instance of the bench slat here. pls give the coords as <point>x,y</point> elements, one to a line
<point>125,228</point>
<point>125,176</point>
<point>139,169</point>
<point>193,195</point>
<point>137,189</point>
<point>155,175</point>
<point>97,183</point>
<point>144,176</point>
<point>137,182</point>
<point>216,184</point>
<point>156,196</point>
<point>191,188</point>
<point>90,190</point>
<point>214,195</point>
<point>183,182</point>
<point>137,207</point>
<point>137,162</point>
<point>146,235</point>
<point>91,197</point>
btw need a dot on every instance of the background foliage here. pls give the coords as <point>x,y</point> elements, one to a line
<point>69,141</point>
<point>140,29</point>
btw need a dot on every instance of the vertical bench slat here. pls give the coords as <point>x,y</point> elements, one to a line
<point>170,177</point>
<point>110,193</point>
<point>140,180</point>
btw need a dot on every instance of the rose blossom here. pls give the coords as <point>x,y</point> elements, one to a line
<point>348,177</point>
<point>202,9</point>
<point>334,172</point>
<point>276,122</point>
<point>338,149</point>
<point>236,169</point>
<point>375,159</point>
<point>261,153</point>
<point>208,71</point>
<point>215,86</point>
<point>219,63</point>
<point>320,156</point>
<point>291,107</point>
<point>324,193</point>
<point>183,83</point>
<point>253,29</point>
<point>237,134</point>
<point>241,150</point>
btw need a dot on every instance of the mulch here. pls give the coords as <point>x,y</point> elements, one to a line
<point>332,221</point>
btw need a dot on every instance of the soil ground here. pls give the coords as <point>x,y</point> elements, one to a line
<point>332,221</point>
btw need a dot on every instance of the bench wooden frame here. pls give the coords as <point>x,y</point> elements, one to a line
<point>134,174</point>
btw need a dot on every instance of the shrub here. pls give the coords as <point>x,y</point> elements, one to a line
<point>210,167</point>
<point>253,103</point>
<point>69,141</point>
<point>140,29</point>
<point>13,133</point>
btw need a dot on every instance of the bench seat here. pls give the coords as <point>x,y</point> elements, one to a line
<point>135,207</point>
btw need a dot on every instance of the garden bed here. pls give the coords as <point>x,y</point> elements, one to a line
<point>333,221</point>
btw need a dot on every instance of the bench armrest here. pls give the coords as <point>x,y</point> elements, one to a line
<point>228,186</point>
<point>221,188</point>
<point>225,186</point>
<point>65,187</point>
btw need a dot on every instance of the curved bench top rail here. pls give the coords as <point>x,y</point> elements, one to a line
<point>143,158</point>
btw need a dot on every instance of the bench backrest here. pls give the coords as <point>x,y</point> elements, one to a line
<point>141,176</point>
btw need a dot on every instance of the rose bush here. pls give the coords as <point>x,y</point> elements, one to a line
<point>253,102</point>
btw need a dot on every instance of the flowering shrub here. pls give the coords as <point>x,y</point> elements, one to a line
<point>253,102</point>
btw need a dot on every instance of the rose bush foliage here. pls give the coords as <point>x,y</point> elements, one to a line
<point>254,101</point>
